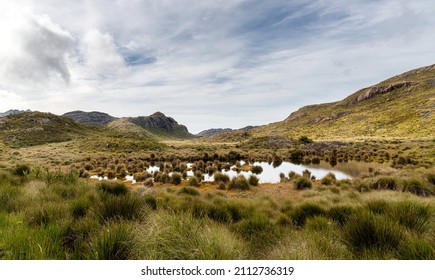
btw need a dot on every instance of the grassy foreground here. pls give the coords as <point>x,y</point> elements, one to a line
<point>54,215</point>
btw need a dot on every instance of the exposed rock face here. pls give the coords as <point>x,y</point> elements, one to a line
<point>90,118</point>
<point>13,112</point>
<point>158,121</point>
<point>373,91</point>
<point>214,131</point>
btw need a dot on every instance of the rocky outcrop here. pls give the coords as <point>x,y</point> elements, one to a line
<point>158,122</point>
<point>90,118</point>
<point>373,91</point>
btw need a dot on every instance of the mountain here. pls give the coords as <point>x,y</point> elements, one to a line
<point>90,118</point>
<point>402,106</point>
<point>34,128</point>
<point>213,131</point>
<point>156,124</point>
<point>13,112</point>
<point>218,131</point>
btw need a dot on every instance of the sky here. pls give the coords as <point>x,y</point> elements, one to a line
<point>207,64</point>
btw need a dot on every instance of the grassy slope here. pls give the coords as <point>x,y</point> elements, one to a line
<point>406,112</point>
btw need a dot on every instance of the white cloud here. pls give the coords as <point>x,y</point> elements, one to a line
<point>206,63</point>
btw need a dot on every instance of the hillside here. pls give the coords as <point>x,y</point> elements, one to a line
<point>157,125</point>
<point>90,118</point>
<point>402,106</point>
<point>29,129</point>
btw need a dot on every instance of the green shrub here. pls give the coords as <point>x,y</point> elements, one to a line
<point>303,183</point>
<point>300,214</point>
<point>149,182</point>
<point>239,182</point>
<point>111,187</point>
<point>304,139</point>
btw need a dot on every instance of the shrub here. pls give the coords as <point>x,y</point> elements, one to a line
<point>431,178</point>
<point>303,183</point>
<point>239,182</point>
<point>367,231</point>
<point>300,214</point>
<point>151,201</point>
<point>176,178</point>
<point>110,187</point>
<point>253,180</point>
<point>304,139</point>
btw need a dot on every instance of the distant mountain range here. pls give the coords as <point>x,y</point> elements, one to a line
<point>13,112</point>
<point>217,131</point>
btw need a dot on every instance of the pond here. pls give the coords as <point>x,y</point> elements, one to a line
<point>271,173</point>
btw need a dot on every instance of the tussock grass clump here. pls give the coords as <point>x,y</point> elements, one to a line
<point>21,170</point>
<point>80,207</point>
<point>365,231</point>
<point>340,214</point>
<point>412,215</point>
<point>221,178</point>
<point>378,206</point>
<point>303,183</point>
<point>110,187</point>
<point>416,187</point>
<point>188,191</point>
<point>176,178</point>
<point>256,169</point>
<point>115,242</point>
<point>414,248</point>
<point>239,182</point>
<point>387,183</point>
<point>180,236</point>
<point>329,179</point>
<point>253,180</point>
<point>301,213</point>
<point>126,207</point>
<point>193,182</point>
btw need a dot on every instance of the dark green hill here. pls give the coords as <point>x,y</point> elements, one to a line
<point>29,129</point>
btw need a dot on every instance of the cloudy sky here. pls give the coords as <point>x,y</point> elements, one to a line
<point>208,63</point>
